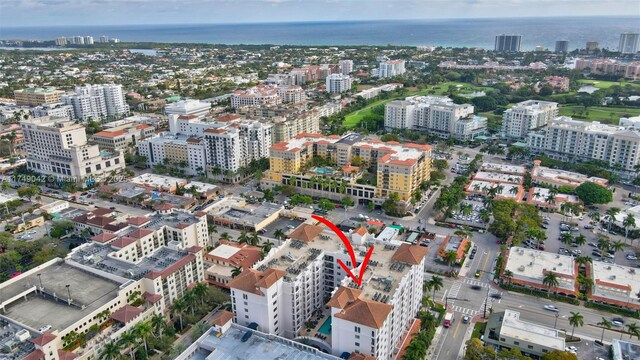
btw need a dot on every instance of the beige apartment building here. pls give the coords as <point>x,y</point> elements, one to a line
<point>37,96</point>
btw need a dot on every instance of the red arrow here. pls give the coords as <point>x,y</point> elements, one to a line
<point>347,244</point>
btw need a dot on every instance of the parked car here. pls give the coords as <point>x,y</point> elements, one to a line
<point>588,226</point>
<point>631,257</point>
<point>466,319</point>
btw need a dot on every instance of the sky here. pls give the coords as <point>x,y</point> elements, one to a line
<point>117,12</point>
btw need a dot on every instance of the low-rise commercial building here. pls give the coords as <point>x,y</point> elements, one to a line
<point>236,213</point>
<point>556,178</point>
<point>454,243</point>
<point>222,261</point>
<point>122,137</point>
<point>372,92</point>
<point>614,284</point>
<point>256,96</point>
<point>529,267</point>
<point>505,330</point>
<point>541,198</point>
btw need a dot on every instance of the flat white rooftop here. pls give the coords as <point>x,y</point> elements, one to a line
<point>530,265</point>
<point>498,177</point>
<point>478,186</point>
<point>157,180</point>
<point>615,281</point>
<point>224,251</point>
<point>515,328</point>
<point>503,168</point>
<point>563,177</point>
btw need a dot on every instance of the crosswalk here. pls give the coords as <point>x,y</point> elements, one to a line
<point>454,290</point>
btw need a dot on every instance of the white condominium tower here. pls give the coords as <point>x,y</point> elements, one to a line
<point>571,140</point>
<point>526,116</point>
<point>629,43</point>
<point>291,285</point>
<point>60,148</point>
<point>391,68</point>
<point>95,102</point>
<point>338,83</point>
<point>346,66</point>
<point>436,114</point>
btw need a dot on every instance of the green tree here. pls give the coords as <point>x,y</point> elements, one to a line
<point>576,319</point>
<point>129,341</point>
<point>28,191</point>
<point>550,280</point>
<point>606,324</point>
<point>111,351</point>
<point>159,325</point>
<point>347,201</point>
<point>559,355</point>
<point>436,284</point>
<point>591,193</point>
<point>325,205</point>
<point>236,271</point>
<point>634,330</point>
<point>629,222</point>
<point>279,234</point>
<point>143,330</point>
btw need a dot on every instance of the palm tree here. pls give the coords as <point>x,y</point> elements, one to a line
<point>436,284</point>
<point>508,274</point>
<point>616,246</point>
<point>606,324</point>
<point>178,307</point>
<point>629,222</point>
<point>513,190</point>
<point>225,236</point>
<point>450,258</point>
<point>4,185</point>
<point>427,302</point>
<point>159,325</point>
<point>129,340</point>
<point>266,247</point>
<point>254,239</point>
<point>576,319</point>
<point>566,238</point>
<point>200,291</point>
<point>580,240</point>
<point>111,351</point>
<point>143,330</point>
<point>243,238</point>
<point>550,280</point>
<point>190,301</point>
<point>236,271</point>
<point>611,215</point>
<point>595,216</point>
<point>583,260</point>
<point>604,244</point>
<point>633,330</point>
<point>279,234</point>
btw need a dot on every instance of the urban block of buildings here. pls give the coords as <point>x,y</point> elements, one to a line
<point>400,168</point>
<point>291,286</point>
<point>628,70</point>
<point>435,114</point>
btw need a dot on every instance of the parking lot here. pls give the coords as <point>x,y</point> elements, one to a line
<point>553,243</point>
<point>587,349</point>
<point>473,218</point>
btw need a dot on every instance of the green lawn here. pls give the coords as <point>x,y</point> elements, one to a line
<point>351,120</point>
<point>607,84</point>
<point>604,114</point>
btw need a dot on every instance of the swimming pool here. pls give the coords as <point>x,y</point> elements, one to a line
<point>323,171</point>
<point>326,327</point>
<point>105,153</point>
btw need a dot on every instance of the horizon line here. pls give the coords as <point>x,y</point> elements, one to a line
<point>321,21</point>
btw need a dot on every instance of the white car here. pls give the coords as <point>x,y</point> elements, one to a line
<point>616,323</point>
<point>631,257</point>
<point>551,308</point>
<point>45,328</point>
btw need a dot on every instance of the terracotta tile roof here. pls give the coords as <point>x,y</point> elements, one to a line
<point>360,356</point>
<point>269,277</point>
<point>375,223</point>
<point>66,355</point>
<point>152,298</point>
<point>410,254</point>
<point>122,242</point>
<point>34,355</point>
<point>186,117</point>
<point>104,237</point>
<point>306,232</point>
<point>343,296</point>
<point>362,231</point>
<point>44,339</point>
<point>250,280</point>
<point>102,211</point>
<point>164,206</point>
<point>110,134</point>
<point>142,126</point>
<point>126,314</point>
<point>139,233</point>
<point>138,220</point>
<point>366,312</point>
<point>100,221</point>
<point>222,317</point>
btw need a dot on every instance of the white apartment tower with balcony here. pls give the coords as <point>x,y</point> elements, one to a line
<point>571,140</point>
<point>95,102</point>
<point>338,83</point>
<point>346,66</point>
<point>436,114</point>
<point>391,68</point>
<point>526,116</point>
<point>292,283</point>
<point>59,148</point>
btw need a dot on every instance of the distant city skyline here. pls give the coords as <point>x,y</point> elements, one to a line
<point>18,13</point>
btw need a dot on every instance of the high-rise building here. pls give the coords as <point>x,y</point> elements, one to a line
<point>390,68</point>
<point>58,111</point>
<point>338,83</point>
<point>188,107</point>
<point>61,41</point>
<point>104,39</point>
<point>291,93</point>
<point>562,46</point>
<point>572,140</point>
<point>592,45</point>
<point>78,40</point>
<point>88,40</point>
<point>436,114</point>
<point>97,101</point>
<point>37,96</point>
<point>282,294</point>
<point>508,43</point>
<point>346,66</point>
<point>526,116</point>
<point>629,43</point>
<point>59,148</point>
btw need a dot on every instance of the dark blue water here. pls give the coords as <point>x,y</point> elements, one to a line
<point>446,32</point>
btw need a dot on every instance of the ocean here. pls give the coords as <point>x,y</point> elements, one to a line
<point>444,32</point>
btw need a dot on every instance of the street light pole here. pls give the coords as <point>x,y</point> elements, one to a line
<point>555,323</point>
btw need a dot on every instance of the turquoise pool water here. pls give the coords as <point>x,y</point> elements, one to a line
<point>326,327</point>
<point>105,153</point>
<point>323,171</point>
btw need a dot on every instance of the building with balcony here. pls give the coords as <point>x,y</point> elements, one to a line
<point>527,116</point>
<point>37,96</point>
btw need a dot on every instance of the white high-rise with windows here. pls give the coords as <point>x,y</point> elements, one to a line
<point>60,148</point>
<point>338,83</point>
<point>291,285</point>
<point>96,102</point>
<point>346,66</point>
<point>526,116</point>
<point>629,43</point>
<point>391,68</point>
